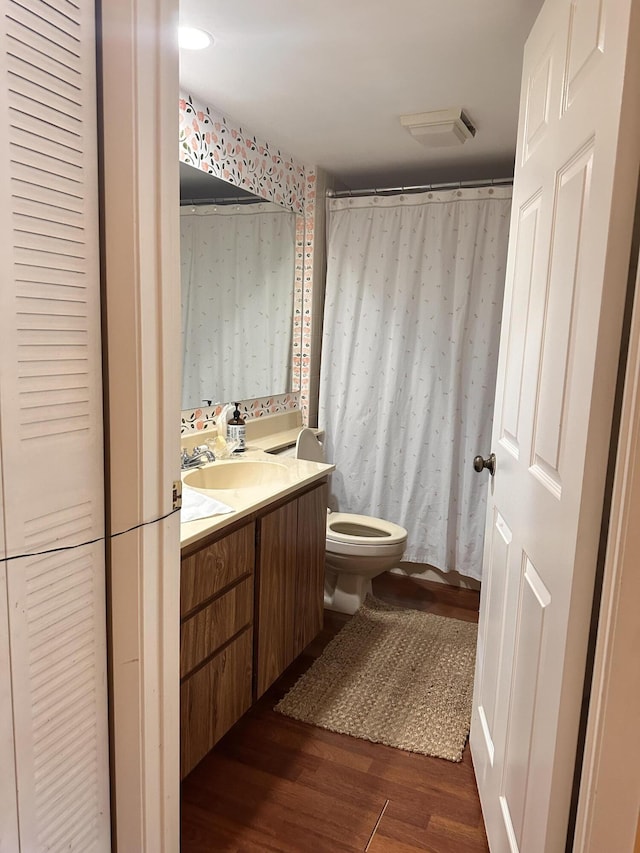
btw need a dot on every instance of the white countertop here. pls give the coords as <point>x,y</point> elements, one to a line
<point>248,500</point>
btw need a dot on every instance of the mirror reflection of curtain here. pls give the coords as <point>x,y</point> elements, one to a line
<point>409,357</point>
<point>237,272</point>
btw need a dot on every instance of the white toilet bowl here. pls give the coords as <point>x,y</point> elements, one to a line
<point>359,547</point>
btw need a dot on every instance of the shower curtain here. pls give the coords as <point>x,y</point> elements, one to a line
<point>237,268</point>
<point>409,356</point>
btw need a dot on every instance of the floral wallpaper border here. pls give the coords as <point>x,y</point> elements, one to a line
<point>205,418</point>
<point>213,142</point>
<point>210,141</point>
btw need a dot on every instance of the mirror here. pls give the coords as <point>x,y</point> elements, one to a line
<point>237,259</point>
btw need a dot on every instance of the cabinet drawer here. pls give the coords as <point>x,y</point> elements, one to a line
<point>216,623</point>
<point>213,699</point>
<point>214,567</point>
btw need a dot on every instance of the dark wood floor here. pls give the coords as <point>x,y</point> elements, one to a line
<point>275,784</point>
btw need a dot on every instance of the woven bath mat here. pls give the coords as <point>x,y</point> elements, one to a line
<point>394,676</point>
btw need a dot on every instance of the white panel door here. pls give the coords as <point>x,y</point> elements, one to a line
<point>568,257</point>
<point>52,602</point>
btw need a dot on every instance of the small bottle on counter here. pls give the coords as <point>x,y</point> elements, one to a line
<point>236,430</point>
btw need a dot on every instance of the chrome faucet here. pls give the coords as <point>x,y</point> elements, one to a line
<point>200,456</point>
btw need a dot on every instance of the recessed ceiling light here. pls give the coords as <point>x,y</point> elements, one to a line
<point>191,38</point>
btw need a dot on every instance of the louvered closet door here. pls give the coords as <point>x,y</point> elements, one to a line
<point>52,606</point>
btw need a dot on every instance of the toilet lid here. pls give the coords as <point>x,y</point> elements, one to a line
<point>364,529</point>
<point>308,447</point>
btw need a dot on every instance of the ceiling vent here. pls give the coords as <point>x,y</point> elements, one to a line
<point>440,128</point>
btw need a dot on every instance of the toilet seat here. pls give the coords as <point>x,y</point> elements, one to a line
<point>343,534</point>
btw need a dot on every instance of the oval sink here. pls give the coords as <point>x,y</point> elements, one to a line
<point>237,474</point>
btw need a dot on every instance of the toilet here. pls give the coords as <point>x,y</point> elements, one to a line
<point>359,547</point>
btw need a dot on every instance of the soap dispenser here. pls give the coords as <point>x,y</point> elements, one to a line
<point>236,430</point>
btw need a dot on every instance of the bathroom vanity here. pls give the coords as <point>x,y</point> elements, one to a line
<point>251,595</point>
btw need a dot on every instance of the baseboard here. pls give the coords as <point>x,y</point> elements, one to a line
<point>431,573</point>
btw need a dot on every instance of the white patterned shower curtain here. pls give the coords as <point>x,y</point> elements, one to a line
<point>409,356</point>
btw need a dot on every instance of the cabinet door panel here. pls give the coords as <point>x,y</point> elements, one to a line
<point>309,574</point>
<point>214,698</point>
<point>212,626</point>
<point>276,593</point>
<point>215,566</point>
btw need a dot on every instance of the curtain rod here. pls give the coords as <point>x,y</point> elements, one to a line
<point>188,202</point>
<point>453,185</point>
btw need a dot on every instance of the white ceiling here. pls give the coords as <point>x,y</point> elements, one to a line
<point>328,81</point>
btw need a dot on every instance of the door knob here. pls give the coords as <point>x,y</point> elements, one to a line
<point>489,463</point>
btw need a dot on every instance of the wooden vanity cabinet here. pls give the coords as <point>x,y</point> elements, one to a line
<point>250,601</point>
<point>289,582</point>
